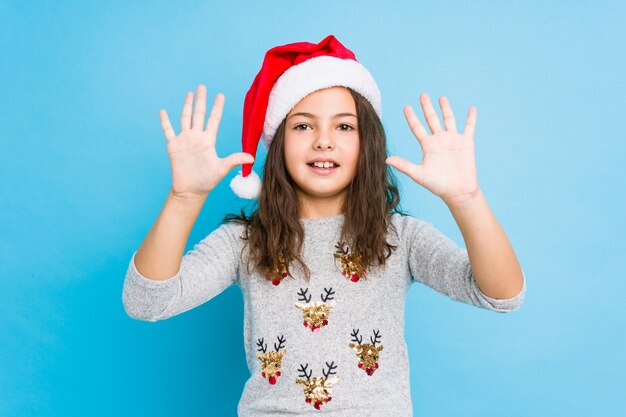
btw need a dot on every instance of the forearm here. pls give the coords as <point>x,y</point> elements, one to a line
<point>160,255</point>
<point>494,263</point>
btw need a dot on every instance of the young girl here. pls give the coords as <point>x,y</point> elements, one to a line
<point>326,259</point>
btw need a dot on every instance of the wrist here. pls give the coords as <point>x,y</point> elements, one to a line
<point>187,201</point>
<point>188,197</point>
<point>463,201</point>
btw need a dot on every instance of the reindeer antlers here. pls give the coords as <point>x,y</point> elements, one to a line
<point>355,336</point>
<point>376,336</point>
<point>341,247</point>
<point>303,295</point>
<point>262,348</point>
<point>329,294</point>
<point>358,339</point>
<point>281,340</point>
<point>331,368</point>
<point>304,374</point>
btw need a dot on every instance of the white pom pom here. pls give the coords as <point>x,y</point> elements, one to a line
<point>246,187</point>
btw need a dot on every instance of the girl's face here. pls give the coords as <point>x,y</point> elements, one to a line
<point>322,127</point>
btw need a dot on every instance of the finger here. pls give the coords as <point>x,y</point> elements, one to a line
<point>415,125</point>
<point>166,126</point>
<point>429,112</point>
<point>185,118</point>
<point>470,125</point>
<point>238,158</point>
<point>197,122</point>
<point>448,115</point>
<point>412,170</point>
<point>215,117</point>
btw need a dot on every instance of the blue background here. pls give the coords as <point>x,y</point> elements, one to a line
<point>84,173</point>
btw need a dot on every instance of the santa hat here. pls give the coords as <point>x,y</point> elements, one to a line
<point>288,74</point>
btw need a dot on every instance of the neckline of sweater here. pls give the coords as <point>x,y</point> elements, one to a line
<point>323,220</point>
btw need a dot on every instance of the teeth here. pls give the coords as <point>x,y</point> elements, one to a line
<point>324,164</point>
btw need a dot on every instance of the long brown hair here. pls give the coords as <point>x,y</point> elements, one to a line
<point>274,228</point>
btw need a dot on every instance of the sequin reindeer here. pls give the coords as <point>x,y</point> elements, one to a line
<point>271,361</point>
<point>367,353</point>
<point>318,390</point>
<point>279,273</point>
<point>350,263</point>
<point>315,314</point>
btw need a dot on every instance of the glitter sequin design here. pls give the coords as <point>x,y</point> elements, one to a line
<point>351,264</point>
<point>277,275</point>
<point>318,390</point>
<point>271,361</point>
<point>367,353</point>
<point>315,314</point>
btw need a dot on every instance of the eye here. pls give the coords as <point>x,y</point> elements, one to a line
<point>298,126</point>
<point>346,127</point>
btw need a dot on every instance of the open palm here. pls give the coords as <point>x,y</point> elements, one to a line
<point>196,168</point>
<point>448,168</point>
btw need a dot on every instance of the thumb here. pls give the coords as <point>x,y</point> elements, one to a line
<point>412,170</point>
<point>238,158</point>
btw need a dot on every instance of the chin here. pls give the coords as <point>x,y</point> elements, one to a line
<point>319,193</point>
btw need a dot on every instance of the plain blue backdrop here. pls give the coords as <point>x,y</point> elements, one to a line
<point>84,173</point>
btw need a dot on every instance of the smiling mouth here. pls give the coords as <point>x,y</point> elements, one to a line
<point>322,170</point>
<point>323,165</point>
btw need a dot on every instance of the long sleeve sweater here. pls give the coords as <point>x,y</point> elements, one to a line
<point>334,345</point>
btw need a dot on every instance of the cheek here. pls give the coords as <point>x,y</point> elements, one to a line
<point>294,148</point>
<point>293,155</point>
<point>352,152</point>
<point>289,164</point>
<point>357,152</point>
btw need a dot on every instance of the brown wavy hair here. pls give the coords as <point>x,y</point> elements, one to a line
<point>274,229</point>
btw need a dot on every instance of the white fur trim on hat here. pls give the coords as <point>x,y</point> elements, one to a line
<point>246,187</point>
<point>312,75</point>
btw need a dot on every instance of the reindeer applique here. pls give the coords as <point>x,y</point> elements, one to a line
<point>277,275</point>
<point>367,353</point>
<point>271,361</point>
<point>350,263</point>
<point>318,390</point>
<point>315,314</point>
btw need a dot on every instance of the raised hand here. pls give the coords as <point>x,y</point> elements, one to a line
<point>448,167</point>
<point>196,168</point>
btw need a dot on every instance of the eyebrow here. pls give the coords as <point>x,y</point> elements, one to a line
<point>312,116</point>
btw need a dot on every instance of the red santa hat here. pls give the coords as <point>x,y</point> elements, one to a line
<point>288,74</point>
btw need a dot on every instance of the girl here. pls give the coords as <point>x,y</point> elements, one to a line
<point>326,259</point>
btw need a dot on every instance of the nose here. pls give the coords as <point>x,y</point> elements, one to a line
<point>323,140</point>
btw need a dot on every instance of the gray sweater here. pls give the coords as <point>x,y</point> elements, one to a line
<point>334,345</point>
